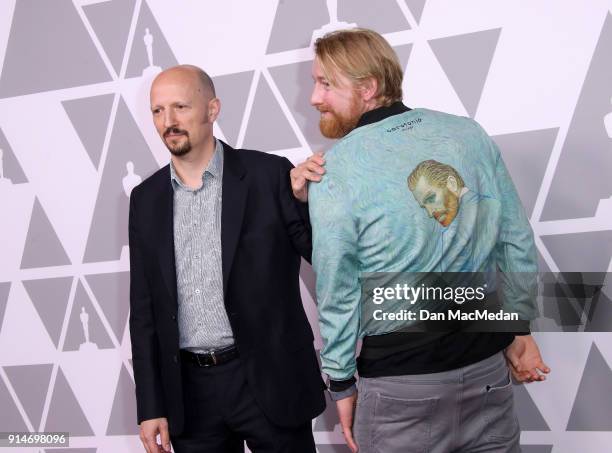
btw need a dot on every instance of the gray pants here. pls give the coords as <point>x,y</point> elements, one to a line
<point>470,409</point>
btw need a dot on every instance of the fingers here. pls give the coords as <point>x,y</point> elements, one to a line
<point>165,437</point>
<point>148,441</point>
<point>350,441</point>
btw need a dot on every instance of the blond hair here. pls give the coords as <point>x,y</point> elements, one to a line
<point>360,54</point>
<point>435,172</point>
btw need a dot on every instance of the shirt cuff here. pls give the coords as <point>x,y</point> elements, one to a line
<point>339,386</point>
<point>337,396</point>
<point>524,328</point>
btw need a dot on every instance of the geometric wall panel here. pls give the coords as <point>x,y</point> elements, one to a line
<point>233,91</point>
<point>416,8</point>
<point>123,415</point>
<point>9,165</point>
<point>89,117</point>
<point>526,156</point>
<point>592,409</point>
<point>65,413</point>
<point>31,383</point>
<point>4,293</point>
<point>66,53</point>
<point>50,298</point>
<point>528,413</point>
<point>586,157</point>
<point>85,330</point>
<point>403,54</point>
<point>466,60</point>
<point>150,48</point>
<point>268,126</point>
<point>111,22</point>
<point>294,23</point>
<point>112,291</point>
<point>573,252</point>
<point>108,232</point>
<point>295,85</point>
<point>10,418</point>
<point>43,247</point>
<point>388,17</point>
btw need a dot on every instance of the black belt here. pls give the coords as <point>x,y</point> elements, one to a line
<point>212,358</point>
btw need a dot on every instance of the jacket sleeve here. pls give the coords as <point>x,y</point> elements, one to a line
<point>149,396</point>
<point>295,214</point>
<point>335,262</point>
<point>515,251</point>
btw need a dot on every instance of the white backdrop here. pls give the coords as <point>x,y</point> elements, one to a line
<point>74,111</point>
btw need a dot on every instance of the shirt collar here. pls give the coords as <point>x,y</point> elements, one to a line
<point>380,113</point>
<point>214,168</point>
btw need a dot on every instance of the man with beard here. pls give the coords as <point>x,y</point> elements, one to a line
<point>221,346</point>
<point>418,391</point>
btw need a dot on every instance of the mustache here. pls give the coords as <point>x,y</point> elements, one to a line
<point>175,131</point>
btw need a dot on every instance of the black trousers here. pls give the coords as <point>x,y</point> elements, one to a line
<point>221,413</point>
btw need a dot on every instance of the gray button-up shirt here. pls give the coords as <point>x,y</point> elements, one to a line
<point>202,319</point>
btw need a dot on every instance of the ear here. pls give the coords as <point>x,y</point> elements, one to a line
<point>451,184</point>
<point>214,107</point>
<point>368,89</point>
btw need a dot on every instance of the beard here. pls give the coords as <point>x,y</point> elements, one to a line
<point>337,125</point>
<point>181,148</point>
<point>451,206</point>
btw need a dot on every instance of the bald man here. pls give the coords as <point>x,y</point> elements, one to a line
<point>222,349</point>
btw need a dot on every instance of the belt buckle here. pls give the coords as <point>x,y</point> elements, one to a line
<point>214,357</point>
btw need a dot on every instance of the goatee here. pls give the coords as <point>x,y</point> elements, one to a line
<point>178,149</point>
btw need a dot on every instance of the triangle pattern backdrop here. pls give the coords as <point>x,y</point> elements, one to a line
<point>112,292</point>
<point>69,58</point>
<point>108,232</point>
<point>233,90</point>
<point>5,287</point>
<point>9,165</point>
<point>591,411</point>
<point>65,413</point>
<point>387,19</point>
<point>268,126</point>
<point>111,22</point>
<point>86,330</point>
<point>466,60</point>
<point>31,383</point>
<point>416,8</point>
<point>587,151</point>
<point>89,117</point>
<point>10,418</point>
<point>50,298</point>
<point>161,54</point>
<point>43,247</point>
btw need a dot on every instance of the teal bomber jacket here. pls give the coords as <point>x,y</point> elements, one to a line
<point>421,191</point>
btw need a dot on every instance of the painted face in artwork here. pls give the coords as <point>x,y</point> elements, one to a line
<point>440,202</point>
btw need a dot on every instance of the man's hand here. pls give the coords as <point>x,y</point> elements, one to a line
<point>309,170</point>
<point>149,429</point>
<point>525,361</point>
<point>346,411</point>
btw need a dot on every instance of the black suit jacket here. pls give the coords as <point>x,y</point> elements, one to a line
<point>264,230</point>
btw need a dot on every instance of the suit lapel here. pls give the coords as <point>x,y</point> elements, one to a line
<point>234,195</point>
<point>165,214</point>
